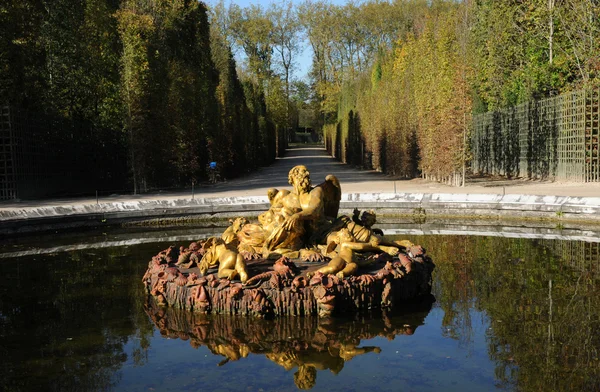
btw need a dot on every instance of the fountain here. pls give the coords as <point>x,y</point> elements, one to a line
<point>300,258</point>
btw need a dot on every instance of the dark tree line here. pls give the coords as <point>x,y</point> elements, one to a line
<point>151,76</point>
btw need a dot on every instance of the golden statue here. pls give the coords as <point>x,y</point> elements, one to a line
<point>302,219</point>
<point>230,234</point>
<point>351,239</point>
<point>293,215</point>
<point>314,206</point>
<point>231,263</point>
<point>277,213</point>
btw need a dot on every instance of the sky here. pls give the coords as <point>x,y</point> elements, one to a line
<point>304,60</point>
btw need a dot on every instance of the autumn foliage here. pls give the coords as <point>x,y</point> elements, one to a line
<point>411,114</point>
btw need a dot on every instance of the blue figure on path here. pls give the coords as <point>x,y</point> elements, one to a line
<point>212,166</point>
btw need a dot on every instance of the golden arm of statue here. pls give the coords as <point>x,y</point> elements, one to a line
<point>313,210</point>
<point>375,243</point>
<point>371,247</point>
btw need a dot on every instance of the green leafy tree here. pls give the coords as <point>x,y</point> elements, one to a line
<point>136,32</point>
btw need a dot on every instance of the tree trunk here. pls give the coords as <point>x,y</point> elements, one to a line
<point>551,30</point>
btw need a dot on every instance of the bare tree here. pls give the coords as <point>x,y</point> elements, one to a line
<point>286,42</point>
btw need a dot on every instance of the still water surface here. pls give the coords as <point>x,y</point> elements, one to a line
<point>508,314</point>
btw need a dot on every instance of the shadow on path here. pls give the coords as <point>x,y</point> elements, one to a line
<point>320,164</point>
<point>314,157</point>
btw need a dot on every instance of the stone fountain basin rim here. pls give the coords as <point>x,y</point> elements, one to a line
<point>563,208</point>
<point>259,203</point>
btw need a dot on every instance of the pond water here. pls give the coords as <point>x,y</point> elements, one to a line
<point>509,314</point>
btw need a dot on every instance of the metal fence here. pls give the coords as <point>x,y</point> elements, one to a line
<point>8,188</point>
<point>44,156</point>
<point>554,138</point>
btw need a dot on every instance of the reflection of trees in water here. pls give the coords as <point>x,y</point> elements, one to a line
<point>542,300</point>
<point>64,319</point>
<point>306,344</point>
<point>541,297</point>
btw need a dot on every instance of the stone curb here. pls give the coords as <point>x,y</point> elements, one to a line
<point>479,205</point>
<point>489,206</point>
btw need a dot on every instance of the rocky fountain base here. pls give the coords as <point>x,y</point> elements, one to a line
<point>290,288</point>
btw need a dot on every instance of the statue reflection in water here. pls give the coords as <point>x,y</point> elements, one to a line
<point>307,344</point>
<point>309,359</point>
